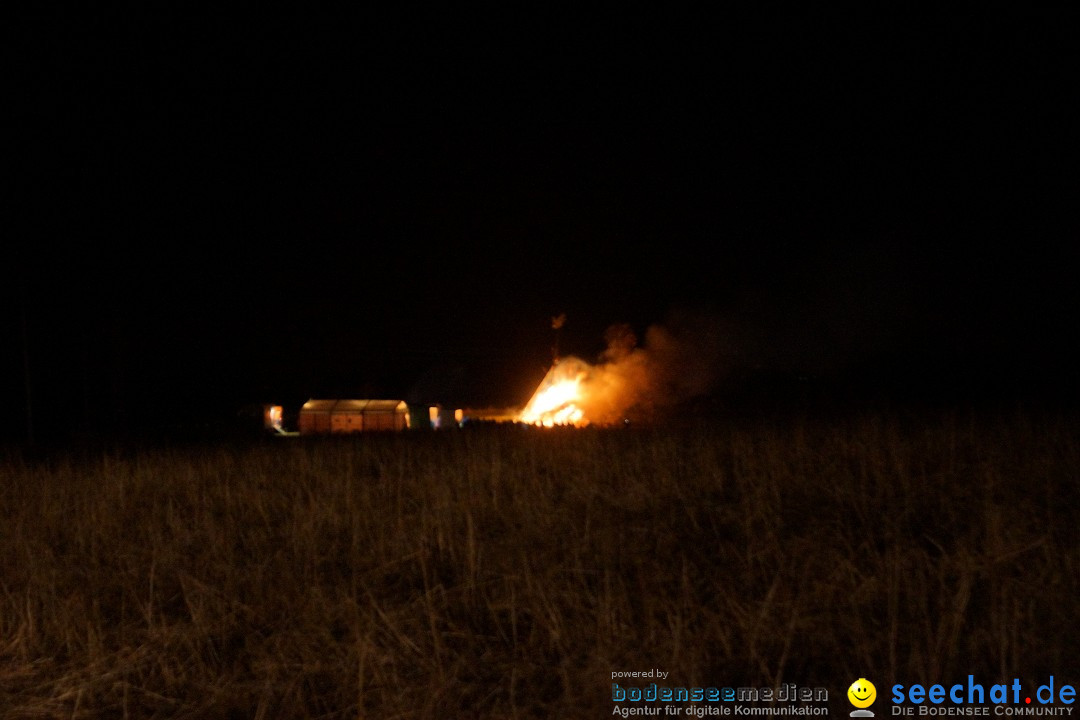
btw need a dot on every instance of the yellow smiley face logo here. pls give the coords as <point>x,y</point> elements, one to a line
<point>862,693</point>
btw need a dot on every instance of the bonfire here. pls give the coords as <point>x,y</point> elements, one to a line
<point>558,399</point>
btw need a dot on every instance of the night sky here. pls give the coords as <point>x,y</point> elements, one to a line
<point>212,211</point>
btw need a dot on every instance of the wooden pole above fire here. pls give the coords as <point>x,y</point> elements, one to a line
<point>556,324</point>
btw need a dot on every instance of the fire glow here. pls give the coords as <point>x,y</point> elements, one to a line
<point>629,382</point>
<point>558,399</point>
<point>575,393</point>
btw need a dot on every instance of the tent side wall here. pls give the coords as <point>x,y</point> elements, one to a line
<point>353,416</point>
<point>313,422</point>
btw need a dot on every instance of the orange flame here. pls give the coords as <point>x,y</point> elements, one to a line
<point>558,400</point>
<point>629,382</point>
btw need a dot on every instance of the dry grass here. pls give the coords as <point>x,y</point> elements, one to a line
<point>505,573</point>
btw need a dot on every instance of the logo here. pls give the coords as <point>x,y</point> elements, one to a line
<point>862,694</point>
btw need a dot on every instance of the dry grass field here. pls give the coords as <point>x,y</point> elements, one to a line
<point>506,572</point>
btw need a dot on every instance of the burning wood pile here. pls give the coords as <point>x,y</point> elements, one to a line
<point>674,365</point>
<point>558,399</point>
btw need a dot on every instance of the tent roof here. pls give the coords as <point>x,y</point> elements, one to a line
<point>354,406</point>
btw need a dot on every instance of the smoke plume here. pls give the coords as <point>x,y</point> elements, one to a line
<point>676,362</point>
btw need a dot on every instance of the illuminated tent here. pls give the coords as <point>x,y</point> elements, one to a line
<point>352,416</point>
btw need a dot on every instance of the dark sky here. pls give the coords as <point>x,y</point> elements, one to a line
<point>214,210</point>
